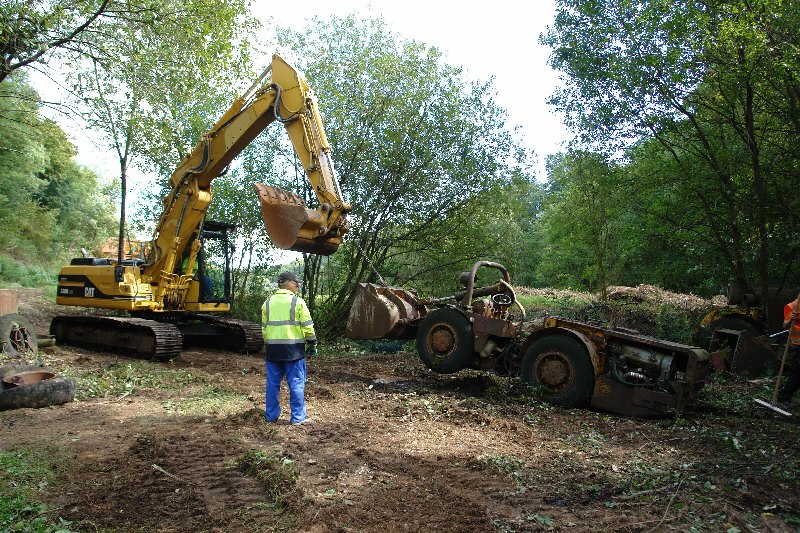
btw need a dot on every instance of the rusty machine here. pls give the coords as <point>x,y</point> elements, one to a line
<point>571,363</point>
<point>170,294</point>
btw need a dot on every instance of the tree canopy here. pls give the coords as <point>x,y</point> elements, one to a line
<point>703,99</point>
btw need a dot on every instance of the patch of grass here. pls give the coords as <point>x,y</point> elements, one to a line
<point>509,464</point>
<point>276,473</point>
<point>126,378</point>
<point>211,401</point>
<point>25,475</point>
<point>384,346</point>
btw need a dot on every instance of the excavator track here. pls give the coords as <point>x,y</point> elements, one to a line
<point>228,333</point>
<point>149,339</point>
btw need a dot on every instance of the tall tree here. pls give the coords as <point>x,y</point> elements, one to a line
<point>414,144</point>
<point>713,83</point>
<point>584,220</point>
<point>180,61</point>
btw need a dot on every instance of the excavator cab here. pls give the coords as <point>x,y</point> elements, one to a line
<point>214,262</point>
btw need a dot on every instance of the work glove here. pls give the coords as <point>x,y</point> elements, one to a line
<point>311,349</point>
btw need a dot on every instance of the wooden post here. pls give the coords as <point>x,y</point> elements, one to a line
<point>9,302</point>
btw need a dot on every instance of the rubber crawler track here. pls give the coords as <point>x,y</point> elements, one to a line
<point>148,339</point>
<point>248,337</point>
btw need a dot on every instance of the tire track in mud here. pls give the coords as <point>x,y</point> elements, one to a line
<point>180,482</point>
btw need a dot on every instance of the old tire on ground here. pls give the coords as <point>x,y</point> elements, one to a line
<point>17,335</point>
<point>444,341</point>
<point>53,391</point>
<point>560,366</point>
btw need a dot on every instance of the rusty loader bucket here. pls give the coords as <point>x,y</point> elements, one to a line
<point>383,313</point>
<point>293,226</point>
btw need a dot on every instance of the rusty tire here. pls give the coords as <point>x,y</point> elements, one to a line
<point>560,367</point>
<point>55,391</point>
<point>17,335</point>
<point>444,341</point>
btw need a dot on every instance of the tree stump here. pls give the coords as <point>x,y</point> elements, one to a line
<point>9,302</point>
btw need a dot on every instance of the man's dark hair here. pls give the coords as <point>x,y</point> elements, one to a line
<point>283,277</point>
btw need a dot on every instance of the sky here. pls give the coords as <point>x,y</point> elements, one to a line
<point>496,39</point>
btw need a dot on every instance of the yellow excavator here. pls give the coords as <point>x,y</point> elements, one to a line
<point>173,293</point>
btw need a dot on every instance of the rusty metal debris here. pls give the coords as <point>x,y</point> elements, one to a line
<point>27,378</point>
<point>570,363</point>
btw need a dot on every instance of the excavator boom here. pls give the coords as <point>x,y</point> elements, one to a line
<point>287,98</point>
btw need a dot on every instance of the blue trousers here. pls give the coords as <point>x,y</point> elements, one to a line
<point>295,372</point>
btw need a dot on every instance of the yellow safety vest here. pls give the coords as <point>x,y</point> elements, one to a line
<point>287,325</point>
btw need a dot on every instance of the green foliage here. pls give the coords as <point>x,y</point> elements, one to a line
<point>275,472</point>
<point>127,378</point>
<point>31,29</point>
<point>50,207</point>
<point>25,473</point>
<point>703,97</point>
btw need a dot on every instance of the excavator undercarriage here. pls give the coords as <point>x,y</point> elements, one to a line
<point>157,340</point>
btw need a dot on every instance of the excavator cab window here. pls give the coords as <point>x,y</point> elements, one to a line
<point>214,262</point>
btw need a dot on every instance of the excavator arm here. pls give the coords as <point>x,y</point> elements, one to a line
<point>287,98</point>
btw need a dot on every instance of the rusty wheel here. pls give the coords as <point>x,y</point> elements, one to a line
<point>561,367</point>
<point>17,335</point>
<point>444,341</point>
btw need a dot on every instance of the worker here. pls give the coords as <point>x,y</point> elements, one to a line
<point>790,314</point>
<point>288,337</point>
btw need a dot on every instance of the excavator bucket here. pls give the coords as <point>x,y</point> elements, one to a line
<point>293,226</point>
<point>383,313</point>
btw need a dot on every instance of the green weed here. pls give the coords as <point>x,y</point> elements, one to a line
<point>509,464</point>
<point>589,441</point>
<point>25,474</point>
<point>127,378</point>
<point>276,473</point>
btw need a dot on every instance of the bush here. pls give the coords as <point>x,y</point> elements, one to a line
<point>16,272</point>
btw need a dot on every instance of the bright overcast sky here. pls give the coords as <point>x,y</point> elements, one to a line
<point>493,39</point>
<point>499,39</point>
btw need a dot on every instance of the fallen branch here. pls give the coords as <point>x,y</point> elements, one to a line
<point>173,476</point>
<point>634,495</point>
<point>669,504</point>
<point>650,522</point>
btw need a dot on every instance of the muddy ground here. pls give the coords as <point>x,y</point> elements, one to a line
<point>391,447</point>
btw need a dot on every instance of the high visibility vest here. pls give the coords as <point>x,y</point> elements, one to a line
<point>286,324</point>
<point>794,333</point>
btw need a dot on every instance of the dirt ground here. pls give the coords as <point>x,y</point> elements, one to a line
<point>394,447</point>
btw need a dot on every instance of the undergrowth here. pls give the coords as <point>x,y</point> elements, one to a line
<point>276,473</point>
<point>13,272</point>
<point>26,474</point>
